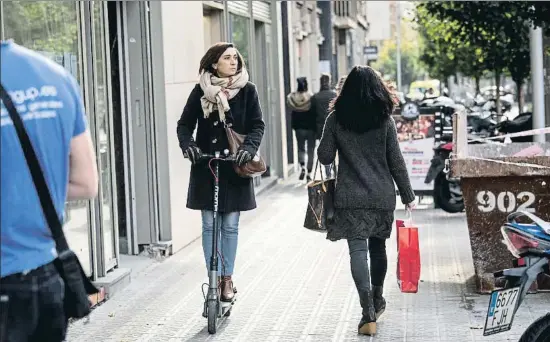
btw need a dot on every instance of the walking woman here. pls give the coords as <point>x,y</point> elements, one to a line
<point>223,96</point>
<point>304,124</point>
<point>362,131</point>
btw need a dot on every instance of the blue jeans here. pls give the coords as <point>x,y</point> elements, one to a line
<point>228,230</point>
<point>32,306</point>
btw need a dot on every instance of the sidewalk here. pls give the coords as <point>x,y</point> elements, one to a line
<point>294,285</point>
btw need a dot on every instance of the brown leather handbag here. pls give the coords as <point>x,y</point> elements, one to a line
<point>255,167</point>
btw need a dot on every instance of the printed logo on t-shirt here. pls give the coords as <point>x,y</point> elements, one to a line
<point>33,104</point>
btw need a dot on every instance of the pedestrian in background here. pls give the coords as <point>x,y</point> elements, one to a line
<point>340,84</point>
<point>223,96</point>
<point>304,124</point>
<point>360,128</point>
<point>32,293</point>
<point>320,103</point>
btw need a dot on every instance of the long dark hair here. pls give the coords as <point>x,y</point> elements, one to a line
<point>212,56</point>
<point>364,102</point>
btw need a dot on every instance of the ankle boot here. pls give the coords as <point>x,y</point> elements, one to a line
<point>228,292</point>
<point>378,300</point>
<point>302,173</point>
<point>367,325</point>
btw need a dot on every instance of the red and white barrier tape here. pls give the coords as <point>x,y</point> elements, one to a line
<point>536,131</point>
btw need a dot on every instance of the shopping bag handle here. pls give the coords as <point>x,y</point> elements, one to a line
<point>409,216</point>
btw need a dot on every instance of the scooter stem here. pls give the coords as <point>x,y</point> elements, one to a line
<point>214,259</point>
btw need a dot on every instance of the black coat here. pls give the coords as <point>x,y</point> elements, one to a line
<point>304,120</point>
<point>320,103</point>
<point>236,193</point>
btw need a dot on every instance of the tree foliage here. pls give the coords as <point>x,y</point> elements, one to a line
<point>480,36</point>
<point>49,26</point>
<point>411,67</point>
<point>445,51</point>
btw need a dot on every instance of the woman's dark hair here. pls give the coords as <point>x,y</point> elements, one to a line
<point>302,84</point>
<point>212,56</point>
<point>364,102</point>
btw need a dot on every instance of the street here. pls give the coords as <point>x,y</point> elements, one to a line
<point>294,285</point>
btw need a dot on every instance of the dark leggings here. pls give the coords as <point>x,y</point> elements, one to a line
<point>376,248</point>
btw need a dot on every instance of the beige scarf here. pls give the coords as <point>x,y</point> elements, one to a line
<point>219,90</point>
<point>299,101</point>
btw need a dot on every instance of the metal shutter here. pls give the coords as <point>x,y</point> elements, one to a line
<point>261,10</point>
<point>238,7</point>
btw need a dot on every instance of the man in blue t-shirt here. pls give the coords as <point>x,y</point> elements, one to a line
<point>48,100</point>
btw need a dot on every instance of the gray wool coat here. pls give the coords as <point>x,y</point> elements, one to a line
<point>369,163</point>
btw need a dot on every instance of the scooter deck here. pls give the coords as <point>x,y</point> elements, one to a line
<point>228,304</point>
<point>226,307</point>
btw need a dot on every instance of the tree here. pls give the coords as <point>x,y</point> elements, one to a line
<point>537,12</point>
<point>497,30</point>
<point>47,26</point>
<point>444,53</point>
<point>411,68</point>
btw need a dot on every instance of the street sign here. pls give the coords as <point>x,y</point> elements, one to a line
<point>371,52</point>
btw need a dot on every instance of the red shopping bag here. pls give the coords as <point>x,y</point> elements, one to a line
<point>408,257</point>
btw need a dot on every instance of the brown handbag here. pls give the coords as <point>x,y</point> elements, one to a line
<point>255,167</point>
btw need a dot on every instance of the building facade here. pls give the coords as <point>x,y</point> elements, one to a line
<point>350,34</point>
<point>320,37</point>
<point>136,63</point>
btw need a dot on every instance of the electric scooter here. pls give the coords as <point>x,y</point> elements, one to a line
<point>531,244</point>
<point>214,308</point>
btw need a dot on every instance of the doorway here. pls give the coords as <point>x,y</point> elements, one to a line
<point>133,125</point>
<point>263,46</point>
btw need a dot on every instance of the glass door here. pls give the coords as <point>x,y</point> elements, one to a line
<point>262,46</point>
<point>107,241</point>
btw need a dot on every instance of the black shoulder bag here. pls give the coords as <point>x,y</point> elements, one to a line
<point>320,206</point>
<point>77,284</point>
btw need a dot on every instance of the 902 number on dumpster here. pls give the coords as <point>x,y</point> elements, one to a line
<point>505,201</point>
<point>500,313</point>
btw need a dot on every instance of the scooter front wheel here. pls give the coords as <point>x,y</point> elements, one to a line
<point>212,316</point>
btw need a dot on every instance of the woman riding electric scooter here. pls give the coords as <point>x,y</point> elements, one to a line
<point>223,98</point>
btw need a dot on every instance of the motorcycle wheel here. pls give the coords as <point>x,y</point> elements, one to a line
<point>442,195</point>
<point>539,331</point>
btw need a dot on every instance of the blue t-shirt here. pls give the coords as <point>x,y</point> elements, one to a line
<point>48,99</point>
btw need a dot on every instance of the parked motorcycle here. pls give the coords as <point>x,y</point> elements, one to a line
<point>447,192</point>
<point>531,243</point>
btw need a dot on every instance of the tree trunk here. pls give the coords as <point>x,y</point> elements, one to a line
<point>497,81</point>
<point>478,88</point>
<point>519,86</point>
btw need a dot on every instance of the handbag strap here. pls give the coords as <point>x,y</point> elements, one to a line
<point>48,208</point>
<point>318,167</point>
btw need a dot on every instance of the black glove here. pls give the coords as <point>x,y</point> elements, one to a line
<point>242,157</point>
<point>193,153</point>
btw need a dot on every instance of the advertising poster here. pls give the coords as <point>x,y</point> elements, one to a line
<point>416,140</point>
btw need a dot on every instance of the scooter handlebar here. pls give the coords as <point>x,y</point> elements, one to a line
<point>208,156</point>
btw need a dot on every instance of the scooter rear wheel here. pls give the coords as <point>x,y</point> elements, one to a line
<point>212,316</point>
<point>539,331</point>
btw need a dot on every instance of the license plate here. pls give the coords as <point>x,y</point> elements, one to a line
<point>501,311</point>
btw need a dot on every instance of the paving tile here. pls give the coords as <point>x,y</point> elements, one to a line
<point>294,285</point>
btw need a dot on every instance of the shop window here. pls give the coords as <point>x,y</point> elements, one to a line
<point>48,27</point>
<point>103,132</point>
<point>240,34</point>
